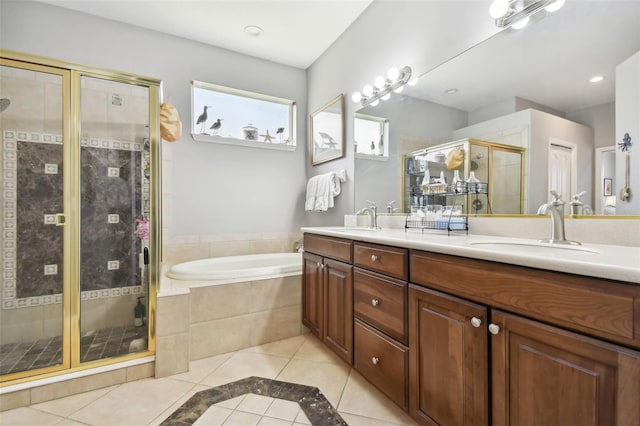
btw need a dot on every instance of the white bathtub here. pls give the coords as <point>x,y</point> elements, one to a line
<point>230,303</point>
<point>231,268</point>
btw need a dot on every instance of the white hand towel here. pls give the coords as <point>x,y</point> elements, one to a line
<point>312,188</point>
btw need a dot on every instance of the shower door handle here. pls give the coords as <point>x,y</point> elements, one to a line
<point>61,219</point>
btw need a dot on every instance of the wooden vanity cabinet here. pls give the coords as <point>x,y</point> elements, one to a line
<point>540,373</point>
<point>380,329</point>
<point>327,292</point>
<point>448,359</point>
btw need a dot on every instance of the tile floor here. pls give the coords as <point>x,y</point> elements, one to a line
<point>301,359</point>
<point>97,344</point>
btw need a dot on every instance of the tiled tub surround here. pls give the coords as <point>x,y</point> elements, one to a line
<point>198,322</point>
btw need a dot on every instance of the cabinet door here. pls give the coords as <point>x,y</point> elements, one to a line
<point>312,294</point>
<point>338,308</point>
<point>448,359</point>
<point>542,375</point>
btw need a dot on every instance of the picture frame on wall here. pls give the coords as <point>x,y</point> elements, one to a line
<point>326,131</point>
<point>607,189</point>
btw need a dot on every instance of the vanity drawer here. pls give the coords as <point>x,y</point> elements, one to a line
<point>381,301</point>
<point>335,248</point>
<point>600,307</point>
<point>383,361</point>
<point>386,260</point>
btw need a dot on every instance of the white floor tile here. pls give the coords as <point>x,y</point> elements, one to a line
<point>239,418</point>
<point>201,368</point>
<point>64,407</point>
<point>232,403</point>
<point>282,409</point>
<point>214,416</point>
<point>256,404</point>
<point>285,348</point>
<point>270,421</point>
<point>246,364</point>
<point>26,416</point>
<point>138,402</point>
<point>329,378</point>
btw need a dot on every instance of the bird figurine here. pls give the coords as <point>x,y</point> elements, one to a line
<point>202,119</point>
<point>267,137</point>
<point>279,133</point>
<point>216,126</point>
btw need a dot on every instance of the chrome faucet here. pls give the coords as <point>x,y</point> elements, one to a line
<point>372,211</point>
<point>555,209</point>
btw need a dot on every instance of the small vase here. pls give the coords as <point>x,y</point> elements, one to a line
<point>456,179</point>
<point>473,181</point>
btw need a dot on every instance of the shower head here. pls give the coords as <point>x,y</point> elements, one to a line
<point>4,104</point>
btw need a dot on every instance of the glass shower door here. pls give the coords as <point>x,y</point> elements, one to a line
<point>114,214</point>
<point>34,337</point>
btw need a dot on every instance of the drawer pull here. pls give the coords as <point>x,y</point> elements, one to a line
<point>318,265</point>
<point>375,302</point>
<point>494,329</point>
<point>375,360</point>
<point>374,258</point>
<point>476,322</point>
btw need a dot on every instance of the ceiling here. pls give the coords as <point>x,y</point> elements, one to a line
<point>549,62</point>
<point>295,32</point>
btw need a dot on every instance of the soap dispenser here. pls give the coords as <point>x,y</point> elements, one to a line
<point>139,313</point>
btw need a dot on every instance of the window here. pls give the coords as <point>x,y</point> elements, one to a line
<point>237,117</point>
<point>371,136</point>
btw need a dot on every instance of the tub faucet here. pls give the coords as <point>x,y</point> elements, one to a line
<point>372,211</point>
<point>555,209</point>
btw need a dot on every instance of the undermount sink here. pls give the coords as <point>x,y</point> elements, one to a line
<point>353,229</point>
<point>534,247</point>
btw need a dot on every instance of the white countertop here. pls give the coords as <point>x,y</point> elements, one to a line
<point>620,263</point>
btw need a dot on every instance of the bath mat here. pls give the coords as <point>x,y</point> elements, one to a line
<point>313,403</point>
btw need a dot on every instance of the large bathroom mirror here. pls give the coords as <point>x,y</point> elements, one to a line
<point>529,89</point>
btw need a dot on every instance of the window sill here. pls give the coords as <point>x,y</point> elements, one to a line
<point>362,156</point>
<point>241,142</point>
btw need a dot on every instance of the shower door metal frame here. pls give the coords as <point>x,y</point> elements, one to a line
<point>72,185</point>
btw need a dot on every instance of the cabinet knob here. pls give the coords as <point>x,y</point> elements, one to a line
<point>374,258</point>
<point>476,322</point>
<point>375,360</point>
<point>494,329</point>
<point>318,264</point>
<point>375,302</point>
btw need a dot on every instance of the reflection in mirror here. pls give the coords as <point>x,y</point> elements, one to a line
<point>540,100</point>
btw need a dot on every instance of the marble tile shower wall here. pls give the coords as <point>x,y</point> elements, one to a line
<point>115,191</point>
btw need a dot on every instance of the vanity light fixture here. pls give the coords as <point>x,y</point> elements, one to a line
<point>516,13</point>
<point>382,87</point>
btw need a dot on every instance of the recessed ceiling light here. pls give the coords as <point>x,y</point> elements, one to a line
<point>451,91</point>
<point>253,30</point>
<point>596,79</point>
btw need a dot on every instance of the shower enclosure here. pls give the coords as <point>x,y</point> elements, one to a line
<point>80,185</point>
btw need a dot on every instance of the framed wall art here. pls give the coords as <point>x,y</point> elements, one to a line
<point>326,131</point>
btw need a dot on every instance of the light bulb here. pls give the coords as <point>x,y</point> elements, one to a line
<point>379,82</point>
<point>521,23</point>
<point>386,97</point>
<point>498,8</point>
<point>367,90</point>
<point>356,97</point>
<point>399,89</point>
<point>375,103</point>
<point>393,74</point>
<point>554,6</point>
<point>413,81</point>
<point>596,79</point>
